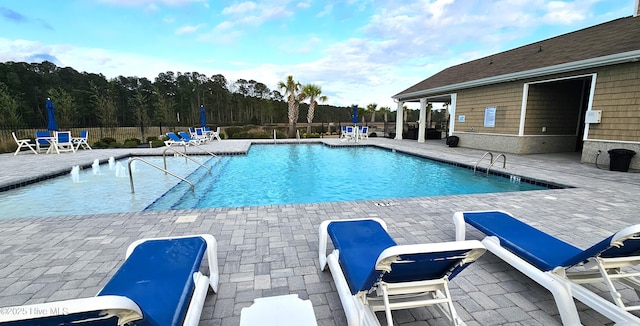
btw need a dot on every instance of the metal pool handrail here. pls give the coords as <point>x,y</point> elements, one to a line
<point>204,150</point>
<point>164,159</point>
<point>131,159</point>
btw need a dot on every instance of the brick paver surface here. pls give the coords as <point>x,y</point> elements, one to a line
<point>272,250</point>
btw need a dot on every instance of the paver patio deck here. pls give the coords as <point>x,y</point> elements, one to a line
<point>272,250</point>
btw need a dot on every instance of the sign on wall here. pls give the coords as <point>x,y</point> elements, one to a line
<point>490,117</point>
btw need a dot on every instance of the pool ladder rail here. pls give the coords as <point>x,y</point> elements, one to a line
<point>164,159</point>
<point>491,160</point>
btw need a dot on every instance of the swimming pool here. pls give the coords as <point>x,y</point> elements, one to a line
<point>291,174</point>
<point>267,175</point>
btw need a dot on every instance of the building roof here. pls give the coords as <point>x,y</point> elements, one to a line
<point>606,40</point>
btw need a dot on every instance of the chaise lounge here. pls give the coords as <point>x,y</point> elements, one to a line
<point>159,284</point>
<point>372,273</point>
<point>549,261</point>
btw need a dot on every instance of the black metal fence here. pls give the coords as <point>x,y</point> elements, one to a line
<point>120,134</point>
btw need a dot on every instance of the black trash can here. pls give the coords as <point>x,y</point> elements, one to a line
<point>452,141</point>
<point>620,159</point>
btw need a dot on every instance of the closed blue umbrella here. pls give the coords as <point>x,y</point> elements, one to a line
<point>354,119</point>
<point>51,119</point>
<point>203,119</point>
<point>355,114</point>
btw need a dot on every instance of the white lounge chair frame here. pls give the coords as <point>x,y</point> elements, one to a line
<point>122,307</point>
<point>23,143</point>
<point>191,140</point>
<point>82,141</point>
<point>215,134</point>
<point>170,142</point>
<point>565,285</point>
<point>360,308</point>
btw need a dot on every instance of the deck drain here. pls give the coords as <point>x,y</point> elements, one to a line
<point>387,204</point>
<point>186,218</point>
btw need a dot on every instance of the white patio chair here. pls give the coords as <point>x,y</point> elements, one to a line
<point>81,141</point>
<point>63,142</point>
<point>214,134</point>
<point>23,143</point>
<point>43,141</point>
<point>364,133</point>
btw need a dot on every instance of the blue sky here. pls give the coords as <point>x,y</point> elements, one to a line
<point>358,52</point>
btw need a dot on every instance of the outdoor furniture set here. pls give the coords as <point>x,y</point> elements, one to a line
<point>372,273</point>
<point>356,133</point>
<point>196,136</point>
<point>56,142</point>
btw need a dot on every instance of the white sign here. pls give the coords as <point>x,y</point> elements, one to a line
<point>490,117</point>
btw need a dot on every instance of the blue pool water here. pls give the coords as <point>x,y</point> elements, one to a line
<point>289,174</point>
<point>99,193</point>
<point>267,175</point>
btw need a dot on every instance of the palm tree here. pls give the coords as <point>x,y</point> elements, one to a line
<point>312,92</point>
<point>291,87</point>
<point>385,110</point>
<point>372,109</point>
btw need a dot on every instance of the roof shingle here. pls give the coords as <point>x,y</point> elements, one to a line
<point>617,36</point>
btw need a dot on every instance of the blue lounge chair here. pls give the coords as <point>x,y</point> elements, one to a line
<point>372,273</point>
<point>547,260</point>
<point>175,140</point>
<point>159,284</point>
<point>193,141</point>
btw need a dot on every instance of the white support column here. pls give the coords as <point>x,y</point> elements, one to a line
<point>428,116</point>
<point>585,135</point>
<point>523,109</point>
<point>452,113</point>
<point>399,120</point>
<point>422,121</point>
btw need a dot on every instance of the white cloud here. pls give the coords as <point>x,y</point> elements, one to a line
<point>564,12</point>
<point>303,4</point>
<point>396,47</point>
<point>134,3</point>
<point>326,11</point>
<point>189,29</point>
<point>239,8</point>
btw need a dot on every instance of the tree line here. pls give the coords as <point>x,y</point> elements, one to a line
<point>172,98</point>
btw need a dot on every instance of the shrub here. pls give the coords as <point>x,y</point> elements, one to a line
<point>131,143</point>
<point>133,140</point>
<point>99,144</point>
<point>311,135</point>
<point>108,140</point>
<point>259,135</point>
<point>233,132</point>
<point>157,143</point>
